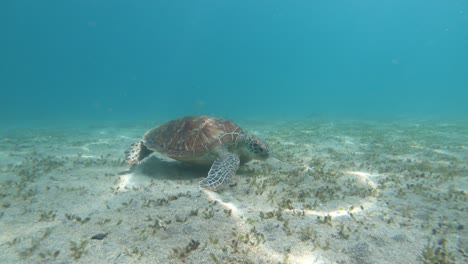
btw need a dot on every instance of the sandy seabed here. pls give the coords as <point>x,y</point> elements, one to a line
<point>333,191</point>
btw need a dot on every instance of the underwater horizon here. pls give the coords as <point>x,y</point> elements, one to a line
<point>97,61</point>
<point>348,140</point>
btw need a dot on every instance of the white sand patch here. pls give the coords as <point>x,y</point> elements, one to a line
<point>332,192</point>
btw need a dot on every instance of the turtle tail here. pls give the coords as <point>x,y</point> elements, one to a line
<point>136,153</point>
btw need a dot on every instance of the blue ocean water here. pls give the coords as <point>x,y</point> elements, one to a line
<point>121,60</point>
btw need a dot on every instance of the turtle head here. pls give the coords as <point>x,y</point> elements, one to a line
<point>255,148</point>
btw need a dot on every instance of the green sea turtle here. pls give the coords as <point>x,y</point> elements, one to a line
<point>201,140</point>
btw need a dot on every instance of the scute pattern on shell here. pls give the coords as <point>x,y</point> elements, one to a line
<point>191,136</point>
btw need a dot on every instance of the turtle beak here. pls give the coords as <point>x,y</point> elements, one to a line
<point>265,155</point>
<point>264,151</point>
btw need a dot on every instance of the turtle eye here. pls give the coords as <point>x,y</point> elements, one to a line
<point>257,148</point>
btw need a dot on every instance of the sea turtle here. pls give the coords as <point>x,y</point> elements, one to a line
<point>201,140</point>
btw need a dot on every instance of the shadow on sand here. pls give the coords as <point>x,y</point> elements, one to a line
<point>168,169</point>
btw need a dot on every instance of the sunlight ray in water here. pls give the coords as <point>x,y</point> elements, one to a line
<point>125,181</point>
<point>364,177</point>
<point>228,205</point>
<point>265,249</point>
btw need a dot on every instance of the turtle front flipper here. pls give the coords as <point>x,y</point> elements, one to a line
<point>222,169</point>
<point>136,153</point>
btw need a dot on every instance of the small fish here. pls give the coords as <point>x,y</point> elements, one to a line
<point>99,236</point>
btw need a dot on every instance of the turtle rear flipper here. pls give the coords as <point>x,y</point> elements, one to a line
<point>136,153</point>
<point>222,169</point>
